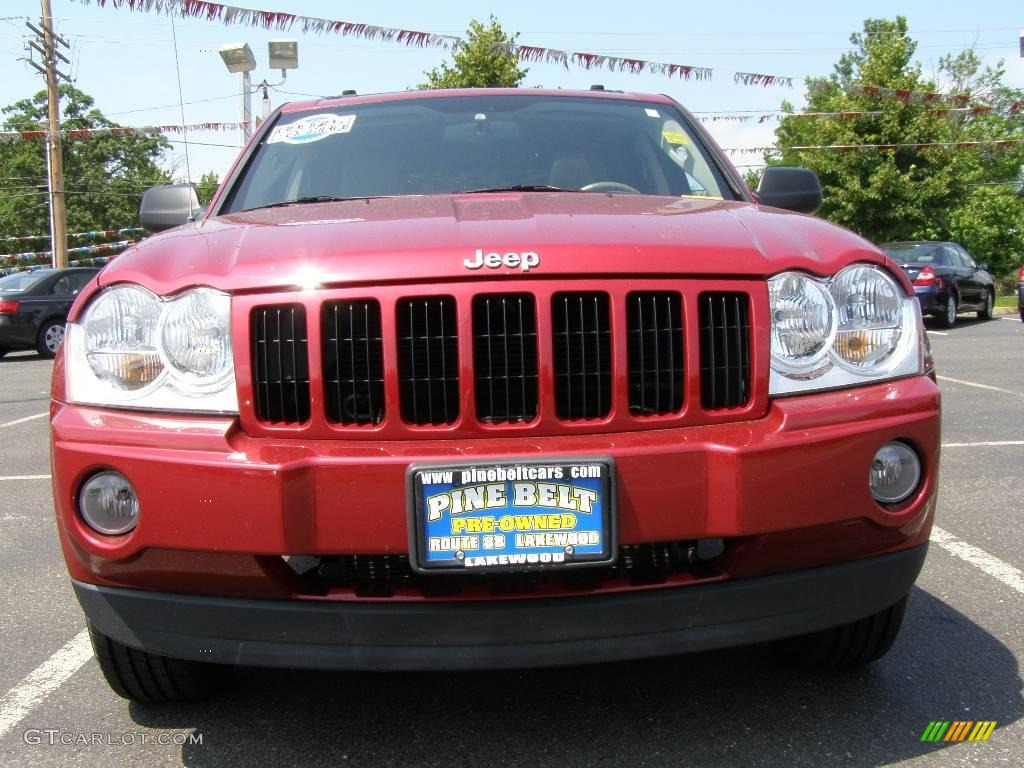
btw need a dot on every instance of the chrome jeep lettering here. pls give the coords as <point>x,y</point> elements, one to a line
<point>525,261</point>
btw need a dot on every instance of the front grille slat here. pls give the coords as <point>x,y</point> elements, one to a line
<point>654,331</point>
<point>281,369</point>
<point>505,357</point>
<point>582,348</point>
<point>353,361</point>
<point>725,350</point>
<point>428,360</point>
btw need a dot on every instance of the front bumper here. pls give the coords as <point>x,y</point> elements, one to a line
<point>220,508</point>
<point>504,633</point>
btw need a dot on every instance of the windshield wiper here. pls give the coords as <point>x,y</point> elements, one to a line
<point>516,188</point>
<point>312,199</point>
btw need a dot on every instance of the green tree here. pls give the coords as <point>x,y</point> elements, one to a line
<point>907,192</point>
<point>104,175</point>
<point>483,60</point>
<point>207,187</point>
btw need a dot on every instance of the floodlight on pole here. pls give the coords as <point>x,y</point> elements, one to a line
<point>282,54</point>
<point>238,58</point>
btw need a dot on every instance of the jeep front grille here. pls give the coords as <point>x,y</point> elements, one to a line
<point>582,340</point>
<point>280,364</point>
<point>353,360</point>
<point>596,355</point>
<point>655,345</point>
<point>428,360</point>
<point>505,357</point>
<point>724,350</point>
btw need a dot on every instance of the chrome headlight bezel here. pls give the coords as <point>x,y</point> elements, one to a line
<point>170,387</point>
<point>835,371</point>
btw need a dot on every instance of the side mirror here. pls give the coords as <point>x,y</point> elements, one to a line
<point>795,189</point>
<point>168,206</point>
<point>983,266</point>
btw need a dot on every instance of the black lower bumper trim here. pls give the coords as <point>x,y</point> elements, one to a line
<point>499,633</point>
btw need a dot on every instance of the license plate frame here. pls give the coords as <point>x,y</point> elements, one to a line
<point>581,552</point>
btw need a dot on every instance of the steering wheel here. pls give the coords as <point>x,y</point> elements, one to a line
<point>609,186</point>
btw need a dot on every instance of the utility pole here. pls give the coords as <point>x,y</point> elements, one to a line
<point>55,162</point>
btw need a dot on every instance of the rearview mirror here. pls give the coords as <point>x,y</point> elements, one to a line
<point>168,206</point>
<point>795,189</point>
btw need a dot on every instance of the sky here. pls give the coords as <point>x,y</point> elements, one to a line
<point>126,60</point>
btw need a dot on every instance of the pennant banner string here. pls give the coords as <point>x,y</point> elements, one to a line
<point>123,130</point>
<point>85,249</point>
<point>278,20</point>
<point>94,234</point>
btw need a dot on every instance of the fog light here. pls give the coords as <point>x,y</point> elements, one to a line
<point>107,502</point>
<point>895,473</point>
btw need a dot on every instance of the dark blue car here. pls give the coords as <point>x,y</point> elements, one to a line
<point>946,279</point>
<point>34,307</point>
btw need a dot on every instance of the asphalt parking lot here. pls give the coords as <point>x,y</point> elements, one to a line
<point>957,658</point>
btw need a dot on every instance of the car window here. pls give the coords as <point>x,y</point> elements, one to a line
<point>78,280</point>
<point>20,281</point>
<point>61,286</point>
<point>442,145</point>
<point>953,256</point>
<point>916,253</point>
<point>966,258</point>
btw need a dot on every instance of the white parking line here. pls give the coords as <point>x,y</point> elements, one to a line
<point>937,333</point>
<point>43,680</point>
<point>22,421</point>
<point>975,384</point>
<point>989,444</point>
<point>1010,575</point>
<point>24,477</point>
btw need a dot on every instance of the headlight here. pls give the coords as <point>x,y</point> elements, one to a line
<point>854,329</point>
<point>870,308</point>
<point>803,322</point>
<point>195,337</point>
<point>120,338</point>
<point>133,349</point>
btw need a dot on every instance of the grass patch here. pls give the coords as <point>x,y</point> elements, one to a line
<point>1006,301</point>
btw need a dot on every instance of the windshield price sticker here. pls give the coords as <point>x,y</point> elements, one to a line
<point>313,128</point>
<point>512,516</point>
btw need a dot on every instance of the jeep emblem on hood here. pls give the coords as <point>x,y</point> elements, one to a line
<point>525,260</point>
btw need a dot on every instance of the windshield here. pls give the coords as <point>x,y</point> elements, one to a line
<point>20,281</point>
<point>912,253</point>
<point>480,143</point>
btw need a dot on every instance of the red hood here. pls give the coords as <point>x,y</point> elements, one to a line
<point>415,239</point>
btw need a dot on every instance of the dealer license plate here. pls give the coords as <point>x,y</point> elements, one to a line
<point>511,516</point>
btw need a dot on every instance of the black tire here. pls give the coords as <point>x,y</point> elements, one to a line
<point>46,344</point>
<point>985,313</point>
<point>850,645</point>
<point>151,679</point>
<point>948,317</point>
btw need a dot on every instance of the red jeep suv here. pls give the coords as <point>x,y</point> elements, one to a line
<point>489,378</point>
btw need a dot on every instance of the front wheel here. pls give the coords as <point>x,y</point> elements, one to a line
<point>850,645</point>
<point>948,318</point>
<point>985,313</point>
<point>51,336</point>
<point>151,679</point>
